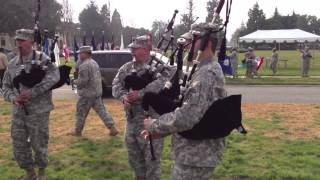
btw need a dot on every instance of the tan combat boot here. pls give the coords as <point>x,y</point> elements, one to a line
<point>41,174</point>
<point>113,131</point>
<point>30,175</point>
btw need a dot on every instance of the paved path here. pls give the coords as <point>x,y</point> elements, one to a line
<point>251,94</point>
<point>277,94</point>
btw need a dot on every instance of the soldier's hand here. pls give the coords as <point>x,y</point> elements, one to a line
<point>17,101</point>
<point>126,102</point>
<point>133,96</point>
<point>25,96</point>
<point>146,135</point>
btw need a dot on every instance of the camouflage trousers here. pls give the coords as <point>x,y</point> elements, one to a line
<point>251,68</point>
<point>274,66</point>
<point>140,157</point>
<point>234,66</point>
<point>83,107</point>
<point>305,68</point>
<point>30,133</point>
<point>186,172</point>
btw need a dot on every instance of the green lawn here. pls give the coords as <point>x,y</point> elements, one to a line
<point>275,147</point>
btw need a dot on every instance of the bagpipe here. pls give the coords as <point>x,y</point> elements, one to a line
<point>223,116</point>
<point>136,81</point>
<point>38,68</point>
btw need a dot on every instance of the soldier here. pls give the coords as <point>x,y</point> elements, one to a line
<point>194,159</point>
<point>251,63</point>
<point>234,62</point>
<point>3,64</point>
<point>138,148</point>
<point>30,132</point>
<point>90,91</point>
<point>306,58</point>
<point>274,61</point>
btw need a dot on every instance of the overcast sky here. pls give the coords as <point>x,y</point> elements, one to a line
<point>141,13</point>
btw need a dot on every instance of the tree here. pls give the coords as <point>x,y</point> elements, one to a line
<point>116,26</point>
<point>90,20</point>
<point>158,28</point>
<point>67,12</point>
<point>15,15</point>
<point>256,19</point>
<point>188,18</point>
<point>105,13</point>
<point>237,34</point>
<point>211,5</point>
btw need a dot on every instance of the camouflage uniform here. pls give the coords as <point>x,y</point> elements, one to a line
<point>234,63</point>
<point>30,132</point>
<point>251,64</point>
<point>194,159</point>
<point>139,149</point>
<point>90,91</point>
<point>306,59</point>
<point>274,62</point>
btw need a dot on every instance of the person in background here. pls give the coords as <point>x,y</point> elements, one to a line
<point>234,62</point>
<point>3,64</point>
<point>306,59</point>
<point>274,61</point>
<point>90,92</point>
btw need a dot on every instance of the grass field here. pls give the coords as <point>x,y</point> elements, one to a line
<point>283,143</point>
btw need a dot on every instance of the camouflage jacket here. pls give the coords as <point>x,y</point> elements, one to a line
<point>205,87</point>
<point>119,91</point>
<point>250,56</point>
<point>89,81</point>
<point>274,56</point>
<point>234,57</point>
<point>41,100</point>
<point>306,56</point>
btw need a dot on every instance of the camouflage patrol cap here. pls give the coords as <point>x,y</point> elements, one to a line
<point>200,29</point>
<point>85,49</point>
<point>24,34</point>
<point>141,42</point>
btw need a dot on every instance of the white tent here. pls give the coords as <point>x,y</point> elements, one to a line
<point>280,36</point>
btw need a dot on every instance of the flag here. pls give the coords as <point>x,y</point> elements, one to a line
<point>56,51</point>
<point>84,42</point>
<point>93,43</point>
<point>75,49</point>
<point>102,42</point>
<point>46,44</point>
<point>122,43</point>
<point>66,53</point>
<point>226,65</point>
<point>259,62</point>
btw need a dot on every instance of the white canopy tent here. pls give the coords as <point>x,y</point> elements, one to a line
<point>280,36</point>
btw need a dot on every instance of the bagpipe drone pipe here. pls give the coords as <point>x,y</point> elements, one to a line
<point>223,116</point>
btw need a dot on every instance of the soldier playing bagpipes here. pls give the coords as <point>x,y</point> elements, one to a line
<point>138,149</point>
<point>31,105</point>
<point>194,158</point>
